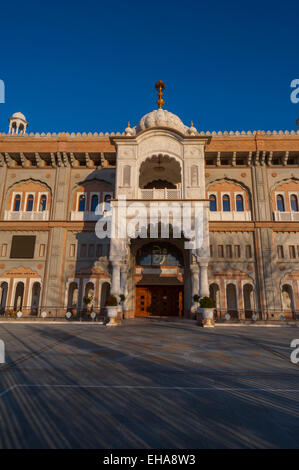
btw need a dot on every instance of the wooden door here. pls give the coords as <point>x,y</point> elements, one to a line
<point>159,300</point>
<point>143,301</point>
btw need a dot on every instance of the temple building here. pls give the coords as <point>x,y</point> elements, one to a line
<point>54,189</point>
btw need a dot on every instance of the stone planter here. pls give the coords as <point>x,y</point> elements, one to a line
<point>205,317</point>
<point>112,315</point>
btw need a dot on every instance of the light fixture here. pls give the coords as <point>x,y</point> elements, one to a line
<point>159,168</point>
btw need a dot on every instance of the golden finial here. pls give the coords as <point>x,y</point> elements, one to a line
<point>160,86</point>
<point>191,124</point>
<point>129,124</point>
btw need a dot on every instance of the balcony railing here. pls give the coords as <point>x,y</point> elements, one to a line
<point>285,216</point>
<point>231,215</point>
<point>88,216</point>
<point>164,193</point>
<point>26,215</point>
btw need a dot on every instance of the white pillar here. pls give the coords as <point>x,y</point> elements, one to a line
<point>194,284</point>
<point>204,290</point>
<point>115,282</point>
<point>123,279</point>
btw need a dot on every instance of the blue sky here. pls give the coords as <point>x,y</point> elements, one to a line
<point>92,65</point>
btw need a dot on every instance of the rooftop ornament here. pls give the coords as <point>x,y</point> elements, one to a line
<point>160,86</point>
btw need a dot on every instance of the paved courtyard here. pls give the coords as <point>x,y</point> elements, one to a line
<point>148,384</point>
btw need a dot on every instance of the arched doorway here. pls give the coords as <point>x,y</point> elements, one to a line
<point>88,298</point>
<point>3,297</point>
<point>231,300</point>
<point>72,295</point>
<point>215,294</point>
<point>19,296</point>
<point>287,298</point>
<point>159,292</point>
<point>105,292</point>
<point>248,299</point>
<point>35,298</point>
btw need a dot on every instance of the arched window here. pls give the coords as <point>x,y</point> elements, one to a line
<point>226,203</point>
<point>94,202</point>
<point>280,203</point>
<point>17,203</point>
<point>213,203</point>
<point>107,200</point>
<point>43,203</point>
<point>239,203</point>
<point>159,254</point>
<point>294,203</point>
<point>30,201</point>
<point>81,206</point>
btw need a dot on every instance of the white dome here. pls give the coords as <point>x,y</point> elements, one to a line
<point>161,118</point>
<point>19,116</point>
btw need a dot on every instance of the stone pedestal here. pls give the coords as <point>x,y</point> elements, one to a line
<point>205,317</point>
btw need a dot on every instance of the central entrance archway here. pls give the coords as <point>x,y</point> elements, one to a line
<point>159,275</point>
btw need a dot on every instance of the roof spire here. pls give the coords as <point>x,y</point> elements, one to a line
<point>160,86</point>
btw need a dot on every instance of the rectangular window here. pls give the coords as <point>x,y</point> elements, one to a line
<point>280,251</point>
<point>4,249</point>
<point>22,246</point>
<point>237,251</point>
<point>211,251</point>
<point>292,251</point>
<point>298,251</point>
<point>72,250</point>
<point>99,251</point>
<point>83,251</point>
<point>248,251</point>
<point>90,251</point>
<point>228,251</point>
<point>220,251</point>
<point>42,249</point>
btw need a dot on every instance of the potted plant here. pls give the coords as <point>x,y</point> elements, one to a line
<point>205,311</point>
<point>112,309</point>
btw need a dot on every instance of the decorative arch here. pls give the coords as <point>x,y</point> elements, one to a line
<point>28,181</point>
<point>160,166</point>
<point>90,187</point>
<point>232,187</point>
<point>31,186</point>
<point>284,187</point>
<point>225,179</point>
<point>283,181</point>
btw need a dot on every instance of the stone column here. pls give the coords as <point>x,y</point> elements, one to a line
<point>115,281</point>
<point>123,279</point>
<point>194,285</point>
<point>204,290</point>
<point>123,286</point>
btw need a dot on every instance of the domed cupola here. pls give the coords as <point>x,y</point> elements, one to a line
<point>161,118</point>
<point>17,124</point>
